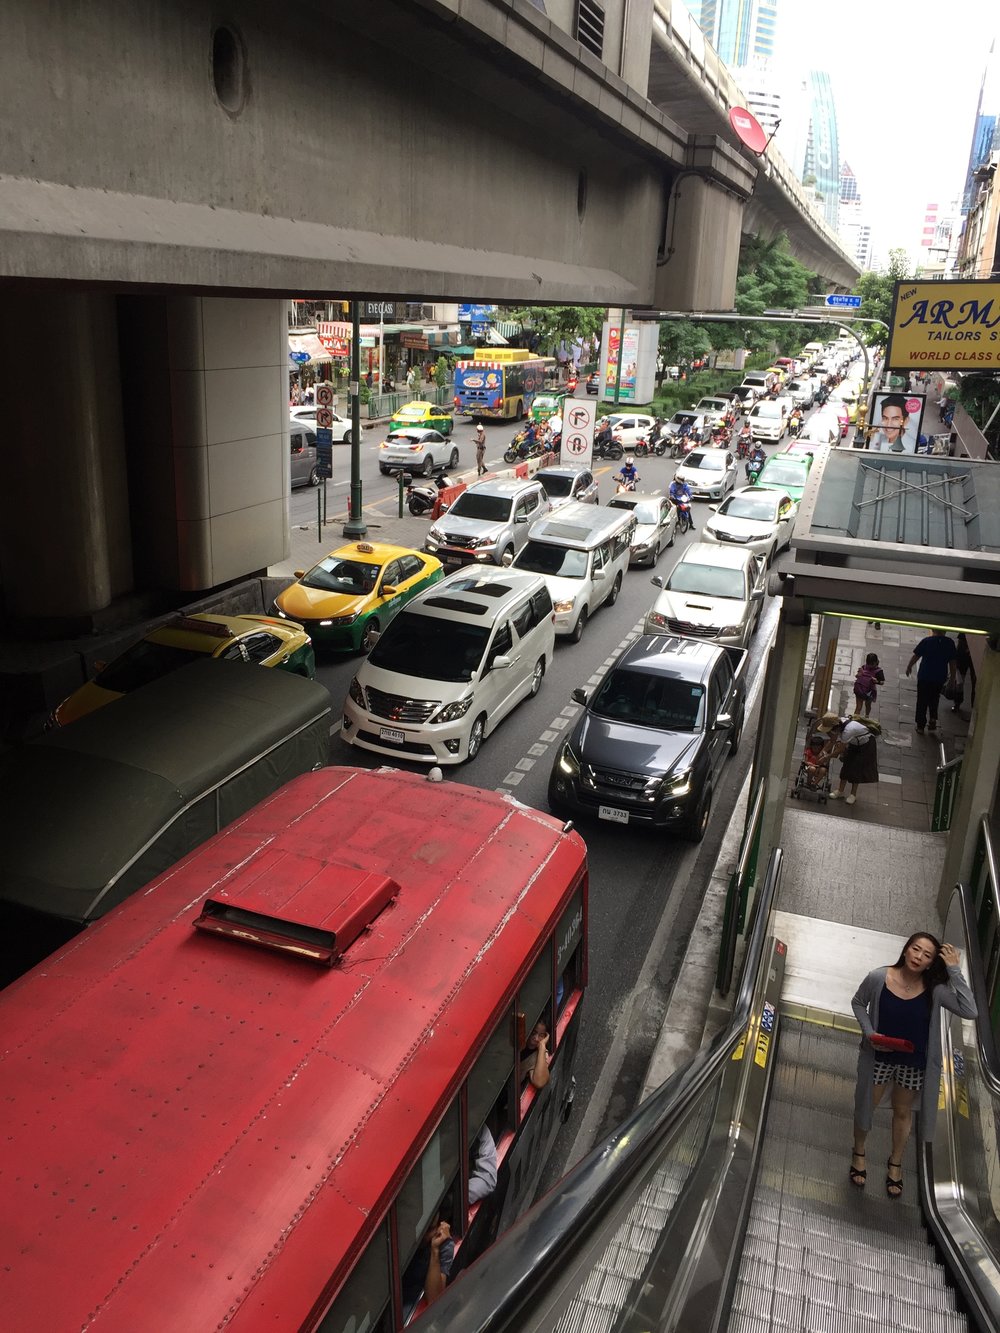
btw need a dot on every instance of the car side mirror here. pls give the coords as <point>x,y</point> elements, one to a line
<point>756,594</point>
<point>507,558</point>
<point>723,722</point>
<point>388,590</point>
<point>500,662</point>
<point>599,574</point>
<point>713,507</point>
<point>300,573</point>
<point>521,518</point>
<point>579,695</point>
<point>656,581</point>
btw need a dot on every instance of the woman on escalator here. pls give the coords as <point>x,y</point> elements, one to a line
<point>898,1010</point>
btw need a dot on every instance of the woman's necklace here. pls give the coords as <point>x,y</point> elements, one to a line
<point>907,986</point>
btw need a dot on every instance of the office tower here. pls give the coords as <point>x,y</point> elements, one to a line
<point>986,131</point>
<point>740,30</point>
<point>822,160</point>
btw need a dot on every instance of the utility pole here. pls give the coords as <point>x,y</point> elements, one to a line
<point>621,353</point>
<point>355,526</point>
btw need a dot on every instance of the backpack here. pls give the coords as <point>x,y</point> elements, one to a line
<point>866,680</point>
<point>874,727</point>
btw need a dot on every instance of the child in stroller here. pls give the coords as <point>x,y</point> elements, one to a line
<point>813,775</point>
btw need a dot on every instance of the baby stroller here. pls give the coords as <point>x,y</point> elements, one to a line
<point>810,781</point>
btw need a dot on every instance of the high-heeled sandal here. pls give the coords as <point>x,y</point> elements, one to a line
<point>858,1178</point>
<point>894,1188</point>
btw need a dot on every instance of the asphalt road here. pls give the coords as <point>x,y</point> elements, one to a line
<point>644,887</point>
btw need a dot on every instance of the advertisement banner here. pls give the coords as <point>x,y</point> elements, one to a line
<point>630,359</point>
<point>638,362</point>
<point>895,423</point>
<point>945,326</point>
<point>579,415</point>
<point>335,338</point>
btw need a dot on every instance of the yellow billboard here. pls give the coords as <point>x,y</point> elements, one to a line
<point>945,326</point>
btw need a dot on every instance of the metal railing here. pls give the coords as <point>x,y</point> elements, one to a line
<point>741,881</point>
<point>949,773</point>
<point>984,889</point>
<point>388,404</point>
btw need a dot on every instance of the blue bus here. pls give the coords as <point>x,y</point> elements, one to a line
<point>499,382</point>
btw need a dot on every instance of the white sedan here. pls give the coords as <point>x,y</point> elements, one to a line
<point>709,473</point>
<point>758,519</point>
<point>306,415</point>
<point>629,427</point>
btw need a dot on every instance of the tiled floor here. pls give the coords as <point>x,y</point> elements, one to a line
<point>904,794</point>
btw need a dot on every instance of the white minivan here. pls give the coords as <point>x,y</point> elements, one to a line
<point>452,665</point>
<point>582,553</point>
<point>769,419</point>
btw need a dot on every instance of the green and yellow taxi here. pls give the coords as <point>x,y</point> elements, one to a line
<point>427,415</point>
<point>546,405</point>
<point>353,593</point>
<point>263,640</point>
<point>786,472</point>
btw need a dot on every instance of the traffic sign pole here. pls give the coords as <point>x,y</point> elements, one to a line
<point>355,526</point>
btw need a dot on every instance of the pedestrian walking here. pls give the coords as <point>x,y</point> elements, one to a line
<point>937,657</point>
<point>479,440</point>
<point>898,1010</point>
<point>853,743</point>
<point>964,668</point>
<point>866,683</point>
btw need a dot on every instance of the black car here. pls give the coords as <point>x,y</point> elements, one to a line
<point>650,745</point>
<point>593,382</point>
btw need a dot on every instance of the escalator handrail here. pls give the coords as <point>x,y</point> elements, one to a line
<point>985,1041</point>
<point>515,1276</point>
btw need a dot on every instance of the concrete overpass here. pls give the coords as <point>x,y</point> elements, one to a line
<point>169,176</point>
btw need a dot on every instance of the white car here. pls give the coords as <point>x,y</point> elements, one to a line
<point>709,473</point>
<point>713,592</point>
<point>716,409</point>
<point>656,522</point>
<point>416,450</point>
<point>306,416</point>
<point>822,428</point>
<point>769,419</point>
<point>754,517</point>
<point>628,427</point>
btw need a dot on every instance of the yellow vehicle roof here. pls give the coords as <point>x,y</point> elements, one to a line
<point>209,632</point>
<point>376,553</point>
<point>418,406</point>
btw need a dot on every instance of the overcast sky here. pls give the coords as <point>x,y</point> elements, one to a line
<point>906,77</point>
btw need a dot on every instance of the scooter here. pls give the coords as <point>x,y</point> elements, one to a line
<point>754,468</point>
<point>421,500</point>
<point>721,437</point>
<point>608,447</point>
<point>683,508</point>
<point>744,443</point>
<point>519,449</point>
<point>681,446</point>
<point>626,485</point>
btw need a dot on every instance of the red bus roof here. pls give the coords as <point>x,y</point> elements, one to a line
<point>175,1102</point>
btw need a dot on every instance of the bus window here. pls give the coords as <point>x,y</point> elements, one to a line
<point>569,954</point>
<point>489,1093</point>
<point>363,1303</point>
<point>535,1009</point>
<point>426,1197</point>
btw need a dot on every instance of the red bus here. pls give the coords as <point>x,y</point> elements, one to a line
<point>244,1098</point>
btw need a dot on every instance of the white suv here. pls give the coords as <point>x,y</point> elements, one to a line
<point>451,666</point>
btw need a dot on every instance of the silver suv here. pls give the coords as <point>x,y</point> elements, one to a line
<point>488,520</point>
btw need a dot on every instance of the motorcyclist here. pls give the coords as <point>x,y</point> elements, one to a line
<point>744,441</point>
<point>795,422</point>
<point>755,462</point>
<point>680,493</point>
<point>628,476</point>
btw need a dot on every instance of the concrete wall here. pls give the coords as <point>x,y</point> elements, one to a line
<point>443,150</point>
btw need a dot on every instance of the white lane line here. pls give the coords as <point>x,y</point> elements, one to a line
<point>512,779</point>
<point>560,723</point>
<point>547,736</point>
<point>336,727</point>
<point>525,765</point>
<point>537,749</point>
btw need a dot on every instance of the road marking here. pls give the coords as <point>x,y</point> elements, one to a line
<point>511,780</point>
<point>336,727</point>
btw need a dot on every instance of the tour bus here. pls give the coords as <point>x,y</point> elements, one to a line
<point>246,1097</point>
<point>499,382</point>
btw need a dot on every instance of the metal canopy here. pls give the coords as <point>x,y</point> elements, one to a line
<point>900,537</point>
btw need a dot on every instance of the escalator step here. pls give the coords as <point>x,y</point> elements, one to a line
<point>836,1308</point>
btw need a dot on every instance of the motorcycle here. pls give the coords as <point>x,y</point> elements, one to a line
<point>794,426</point>
<point>683,508</point>
<point>626,485</point>
<point>681,445</point>
<point>421,500</point>
<point>721,437</point>
<point>744,443</point>
<point>754,468</point>
<point>520,449</point>
<point>608,447</point>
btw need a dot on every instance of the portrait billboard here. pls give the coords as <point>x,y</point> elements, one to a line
<point>894,424</point>
<point>945,326</point>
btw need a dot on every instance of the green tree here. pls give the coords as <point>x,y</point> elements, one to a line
<point>680,343</point>
<point>441,371</point>
<point>551,325</point>
<point>876,292</point>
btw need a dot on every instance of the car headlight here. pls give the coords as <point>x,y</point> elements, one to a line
<point>760,536</point>
<point>278,612</point>
<point>568,762</point>
<point>452,712</point>
<point>727,630</point>
<point>436,535</point>
<point>357,693</point>
<point>341,620</point>
<point>655,618</point>
<point>566,604</point>
<point>679,784</point>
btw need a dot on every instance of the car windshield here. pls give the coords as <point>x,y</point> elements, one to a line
<point>786,474</point>
<point>711,404</point>
<point>555,487</point>
<point>405,437</point>
<point>431,647</point>
<point>706,580</point>
<point>648,511</point>
<point>561,561</point>
<point>645,699</point>
<point>144,662</point>
<point>336,575</point>
<point>488,508</point>
<point>766,410</point>
<point>705,462</point>
<point>750,506</point>
<point>682,419</point>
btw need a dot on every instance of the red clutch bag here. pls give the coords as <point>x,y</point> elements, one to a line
<point>891,1043</point>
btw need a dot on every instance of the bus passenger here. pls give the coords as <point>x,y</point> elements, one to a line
<point>428,1270</point>
<point>535,1056</point>
<point>483,1172</point>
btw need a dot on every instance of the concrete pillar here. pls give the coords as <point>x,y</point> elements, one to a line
<point>65,547</point>
<point>779,719</point>
<point>977,788</point>
<point>207,420</point>
<point>704,227</point>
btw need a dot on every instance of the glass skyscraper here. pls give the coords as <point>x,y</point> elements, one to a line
<point>986,132</point>
<point>740,30</point>
<point>822,150</point>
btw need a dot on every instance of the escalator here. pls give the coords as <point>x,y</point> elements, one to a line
<point>723,1203</point>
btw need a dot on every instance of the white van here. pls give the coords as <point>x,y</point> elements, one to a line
<point>452,665</point>
<point>582,553</point>
<point>769,419</point>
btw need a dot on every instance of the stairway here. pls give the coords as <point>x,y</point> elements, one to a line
<point>821,1256</point>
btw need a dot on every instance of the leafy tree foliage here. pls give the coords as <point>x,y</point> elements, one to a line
<point>549,325</point>
<point>876,289</point>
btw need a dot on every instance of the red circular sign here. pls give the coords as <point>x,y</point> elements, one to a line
<point>748,129</point>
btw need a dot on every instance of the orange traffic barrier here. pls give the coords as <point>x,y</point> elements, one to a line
<point>448,496</point>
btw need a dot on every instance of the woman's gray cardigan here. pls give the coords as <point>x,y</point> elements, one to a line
<point>956,996</point>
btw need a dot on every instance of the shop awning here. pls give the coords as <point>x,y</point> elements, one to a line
<point>462,350</point>
<point>309,344</point>
<point>445,337</point>
<point>372,330</point>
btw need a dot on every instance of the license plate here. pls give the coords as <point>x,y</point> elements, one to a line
<point>391,735</point>
<point>613,813</point>
<point>453,560</point>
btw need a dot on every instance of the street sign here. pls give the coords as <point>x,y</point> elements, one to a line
<point>324,457</point>
<point>300,358</point>
<point>578,431</point>
<point>841,301</point>
<point>324,397</point>
<point>324,417</point>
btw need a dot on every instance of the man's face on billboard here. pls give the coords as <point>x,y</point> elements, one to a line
<point>893,419</point>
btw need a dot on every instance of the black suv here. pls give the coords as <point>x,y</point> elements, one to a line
<point>650,745</point>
